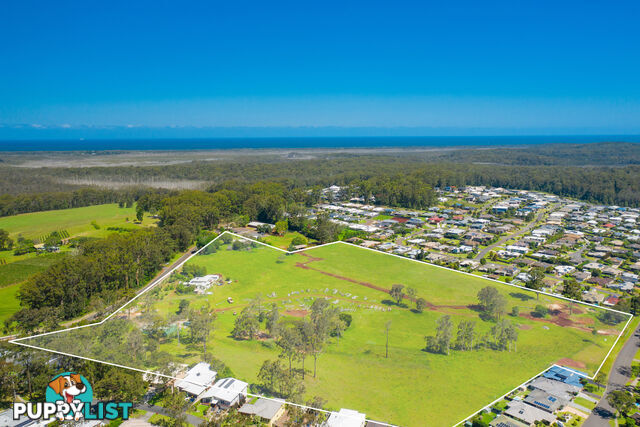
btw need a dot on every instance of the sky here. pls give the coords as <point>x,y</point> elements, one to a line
<point>454,67</point>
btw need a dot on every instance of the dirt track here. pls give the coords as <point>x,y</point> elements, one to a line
<point>559,315</point>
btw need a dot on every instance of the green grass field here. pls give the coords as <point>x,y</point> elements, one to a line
<point>76,221</point>
<point>8,301</point>
<point>18,271</point>
<point>411,387</point>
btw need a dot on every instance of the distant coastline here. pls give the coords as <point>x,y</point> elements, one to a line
<point>239,143</point>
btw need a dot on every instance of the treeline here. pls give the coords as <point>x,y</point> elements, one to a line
<point>104,271</point>
<point>26,373</point>
<point>36,202</point>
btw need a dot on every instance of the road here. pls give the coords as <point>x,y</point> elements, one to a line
<point>520,232</point>
<point>618,377</point>
<point>160,275</point>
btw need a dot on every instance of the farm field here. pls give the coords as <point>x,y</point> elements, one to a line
<point>411,386</point>
<point>9,303</point>
<point>76,221</point>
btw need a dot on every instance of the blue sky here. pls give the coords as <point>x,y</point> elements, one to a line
<point>525,67</point>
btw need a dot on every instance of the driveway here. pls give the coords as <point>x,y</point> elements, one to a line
<point>618,377</point>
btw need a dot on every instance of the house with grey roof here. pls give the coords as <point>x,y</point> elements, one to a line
<point>269,410</point>
<point>529,414</point>
<point>545,401</point>
<point>555,388</point>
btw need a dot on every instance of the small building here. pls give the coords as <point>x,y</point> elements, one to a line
<point>346,418</point>
<point>269,410</point>
<point>202,284</point>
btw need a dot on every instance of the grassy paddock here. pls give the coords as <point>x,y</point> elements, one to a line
<point>411,387</point>
<point>8,301</point>
<point>76,221</point>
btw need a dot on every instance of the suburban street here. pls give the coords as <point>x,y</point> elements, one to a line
<point>520,232</point>
<point>618,377</point>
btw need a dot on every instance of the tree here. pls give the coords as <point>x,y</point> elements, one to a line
<point>534,279</point>
<point>421,304</point>
<point>466,335</point>
<point>492,302</point>
<point>411,293</point>
<point>299,240</point>
<point>139,213</point>
<point>541,311</point>
<point>571,289</point>
<point>120,384</point>
<point>183,305</point>
<point>387,327</point>
<point>281,227</point>
<point>504,334</point>
<point>176,404</point>
<point>441,342</point>
<point>247,324</point>
<point>325,230</point>
<point>289,343</point>
<point>397,293</point>
<point>5,241</point>
<point>201,325</point>
<point>621,400</point>
<point>272,320</point>
<point>323,320</point>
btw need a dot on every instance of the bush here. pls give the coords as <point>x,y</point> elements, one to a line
<point>540,311</point>
<point>299,240</point>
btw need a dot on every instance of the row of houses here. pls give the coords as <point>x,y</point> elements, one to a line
<point>200,383</point>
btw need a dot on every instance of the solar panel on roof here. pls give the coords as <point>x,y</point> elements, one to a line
<point>229,383</point>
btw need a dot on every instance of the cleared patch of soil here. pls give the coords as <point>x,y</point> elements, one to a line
<point>572,363</point>
<point>296,313</point>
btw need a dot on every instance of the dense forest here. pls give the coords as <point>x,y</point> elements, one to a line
<point>607,173</point>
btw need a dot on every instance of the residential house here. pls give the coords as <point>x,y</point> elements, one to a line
<point>198,379</point>
<point>527,413</point>
<point>545,401</point>
<point>269,410</point>
<point>226,393</point>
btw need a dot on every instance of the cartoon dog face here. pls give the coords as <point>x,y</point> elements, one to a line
<point>68,386</point>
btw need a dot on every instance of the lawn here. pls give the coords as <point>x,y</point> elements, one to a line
<point>8,301</point>
<point>282,242</point>
<point>584,402</point>
<point>18,271</point>
<point>76,221</point>
<point>411,387</point>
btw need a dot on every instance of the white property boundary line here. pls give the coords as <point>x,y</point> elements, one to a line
<point>18,341</point>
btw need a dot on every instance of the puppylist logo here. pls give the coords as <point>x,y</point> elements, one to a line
<point>68,397</point>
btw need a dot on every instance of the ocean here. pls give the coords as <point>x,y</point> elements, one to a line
<point>302,142</point>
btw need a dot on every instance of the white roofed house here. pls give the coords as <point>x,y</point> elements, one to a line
<point>226,393</point>
<point>346,418</point>
<point>198,379</point>
<point>202,284</point>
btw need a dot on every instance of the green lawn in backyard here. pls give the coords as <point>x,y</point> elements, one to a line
<point>411,387</point>
<point>281,242</point>
<point>8,301</point>
<point>76,221</point>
